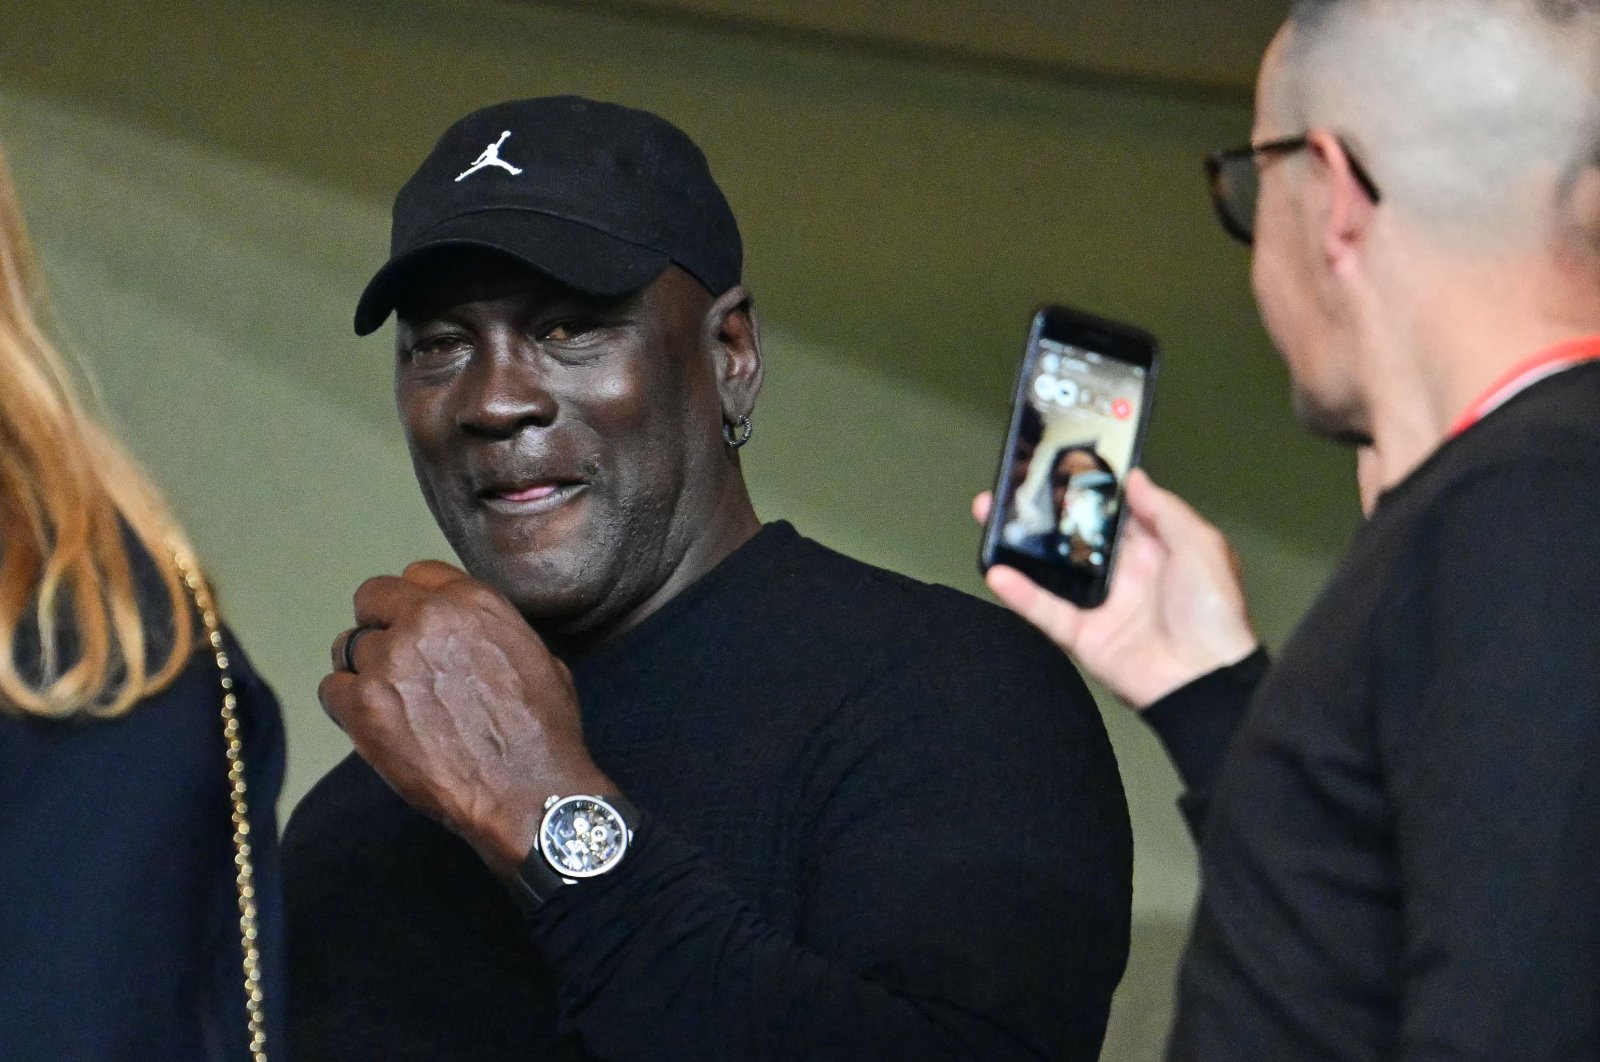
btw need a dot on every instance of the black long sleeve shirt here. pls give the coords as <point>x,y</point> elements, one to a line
<point>878,820</point>
<point>1400,849</point>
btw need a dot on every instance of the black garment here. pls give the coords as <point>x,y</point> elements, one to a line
<point>119,921</point>
<point>1401,858</point>
<point>880,820</point>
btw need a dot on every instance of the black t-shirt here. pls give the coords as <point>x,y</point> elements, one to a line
<point>1401,846</point>
<point>119,919</point>
<point>879,819</point>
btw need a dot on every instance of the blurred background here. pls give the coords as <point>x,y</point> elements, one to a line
<point>210,183</point>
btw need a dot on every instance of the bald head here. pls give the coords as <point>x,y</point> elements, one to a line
<point>1480,119</point>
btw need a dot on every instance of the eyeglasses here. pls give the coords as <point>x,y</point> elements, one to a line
<point>1236,183</point>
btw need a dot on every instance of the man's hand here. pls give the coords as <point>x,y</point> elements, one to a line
<point>1175,611</point>
<point>460,708</point>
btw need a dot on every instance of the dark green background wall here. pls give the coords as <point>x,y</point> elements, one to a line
<point>210,184</point>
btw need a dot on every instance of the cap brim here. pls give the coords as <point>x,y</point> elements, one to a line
<point>577,255</point>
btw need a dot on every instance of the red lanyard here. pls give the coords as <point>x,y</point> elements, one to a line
<point>1525,374</point>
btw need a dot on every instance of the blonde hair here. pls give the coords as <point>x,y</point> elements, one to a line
<point>69,498</point>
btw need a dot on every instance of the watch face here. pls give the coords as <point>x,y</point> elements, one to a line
<point>582,836</point>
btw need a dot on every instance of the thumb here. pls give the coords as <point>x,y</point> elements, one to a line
<point>1059,620</point>
<point>1168,516</point>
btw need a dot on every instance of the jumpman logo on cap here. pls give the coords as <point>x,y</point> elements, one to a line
<point>491,157</point>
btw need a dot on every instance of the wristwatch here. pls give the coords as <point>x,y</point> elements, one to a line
<point>580,837</point>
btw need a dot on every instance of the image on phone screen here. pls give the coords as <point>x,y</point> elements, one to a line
<point>1075,446</point>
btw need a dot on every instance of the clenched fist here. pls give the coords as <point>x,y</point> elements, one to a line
<point>460,708</point>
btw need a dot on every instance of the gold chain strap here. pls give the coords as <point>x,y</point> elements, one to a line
<point>245,877</point>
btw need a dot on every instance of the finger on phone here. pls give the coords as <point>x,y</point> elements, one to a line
<point>981,506</point>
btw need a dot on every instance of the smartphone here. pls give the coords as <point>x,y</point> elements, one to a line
<point>1078,423</point>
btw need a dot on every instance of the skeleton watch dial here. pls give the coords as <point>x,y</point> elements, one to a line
<point>582,836</point>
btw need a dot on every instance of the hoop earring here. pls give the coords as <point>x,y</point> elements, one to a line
<point>745,431</point>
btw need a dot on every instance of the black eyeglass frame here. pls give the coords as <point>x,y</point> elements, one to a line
<point>1215,162</point>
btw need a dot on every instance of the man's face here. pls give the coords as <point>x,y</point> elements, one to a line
<point>559,438</point>
<point>1294,291</point>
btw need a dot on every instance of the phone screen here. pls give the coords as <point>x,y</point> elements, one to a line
<point>1077,430</point>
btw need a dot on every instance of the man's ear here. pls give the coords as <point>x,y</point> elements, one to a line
<point>1349,207</point>
<point>734,335</point>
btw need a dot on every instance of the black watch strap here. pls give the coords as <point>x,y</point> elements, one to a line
<point>536,881</point>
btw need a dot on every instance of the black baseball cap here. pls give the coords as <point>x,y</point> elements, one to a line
<point>599,196</point>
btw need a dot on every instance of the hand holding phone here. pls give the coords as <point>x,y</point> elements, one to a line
<point>1078,422</point>
<point>1175,611</point>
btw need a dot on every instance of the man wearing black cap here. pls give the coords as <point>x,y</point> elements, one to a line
<point>655,781</point>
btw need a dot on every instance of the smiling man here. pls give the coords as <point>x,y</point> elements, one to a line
<point>651,780</point>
